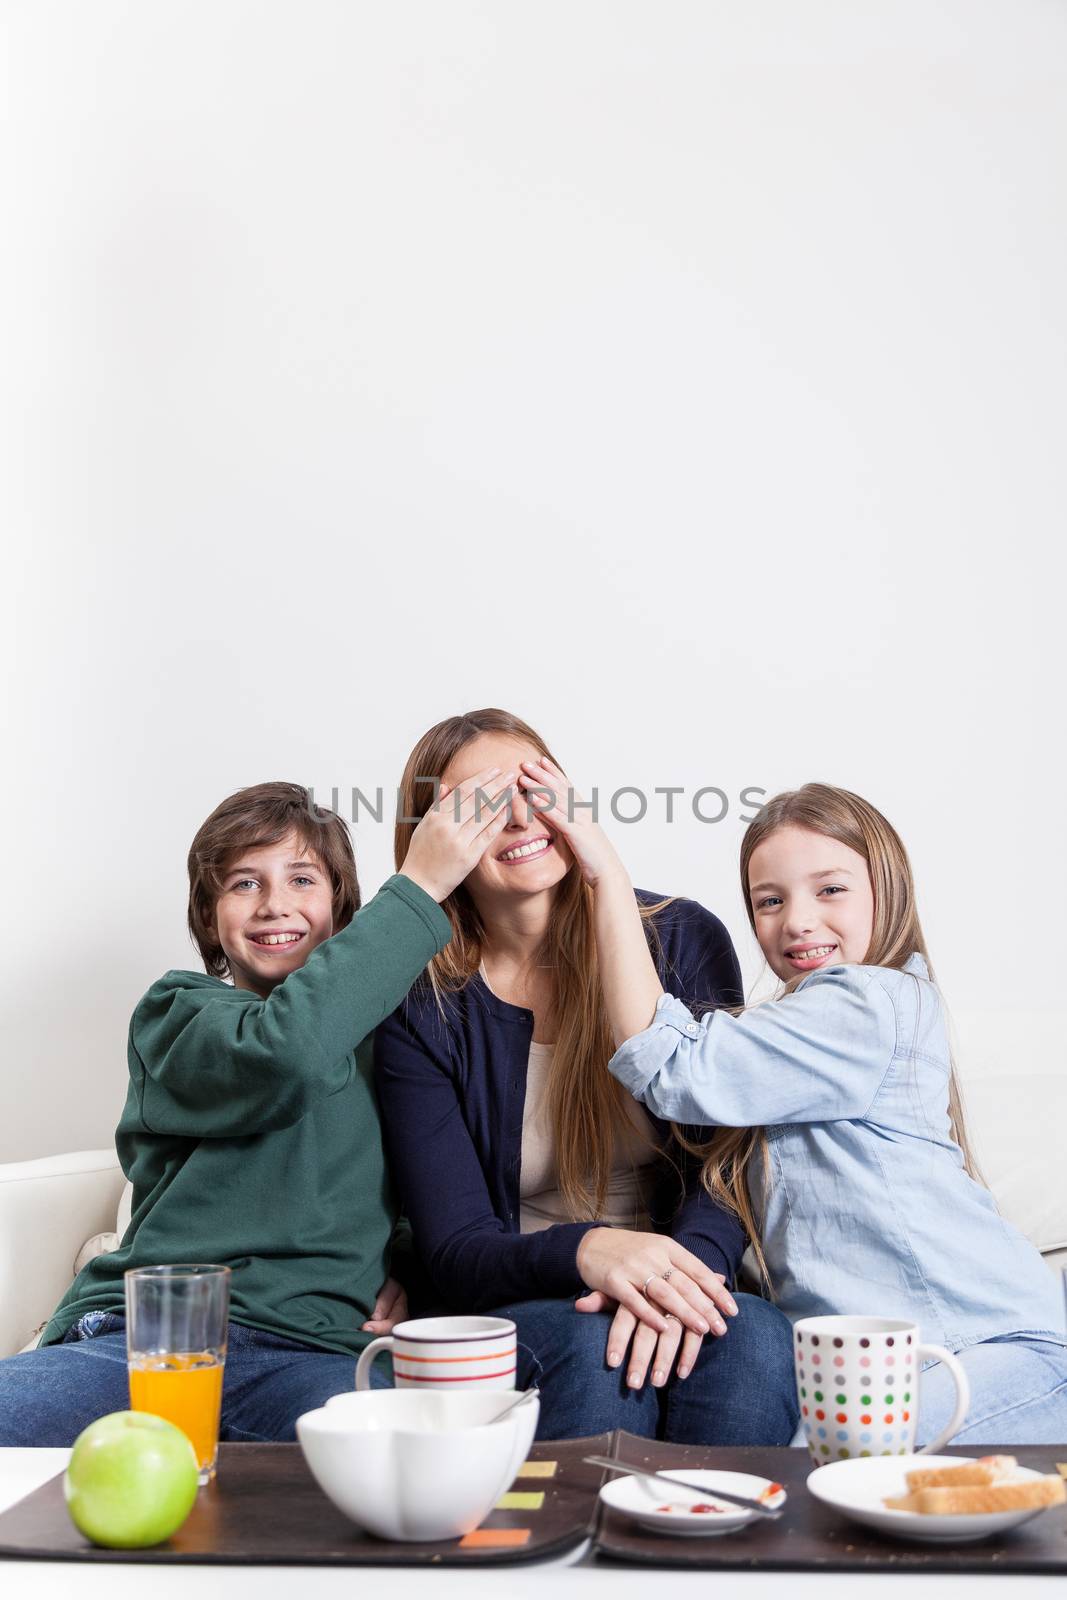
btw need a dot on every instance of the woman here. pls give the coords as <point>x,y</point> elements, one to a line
<point>534,1186</point>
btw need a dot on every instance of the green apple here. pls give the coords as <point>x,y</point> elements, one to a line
<point>131,1480</point>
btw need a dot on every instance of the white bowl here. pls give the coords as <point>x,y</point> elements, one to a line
<point>410,1466</point>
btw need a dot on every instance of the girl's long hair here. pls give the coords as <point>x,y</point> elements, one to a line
<point>896,933</point>
<point>587,1108</point>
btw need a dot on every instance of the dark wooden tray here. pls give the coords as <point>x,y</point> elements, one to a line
<point>810,1535</point>
<point>265,1509</point>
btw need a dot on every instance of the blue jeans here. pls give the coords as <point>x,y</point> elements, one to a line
<point>1018,1394</point>
<point>741,1389</point>
<point>48,1396</point>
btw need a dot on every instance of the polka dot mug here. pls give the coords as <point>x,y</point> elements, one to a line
<point>858,1386</point>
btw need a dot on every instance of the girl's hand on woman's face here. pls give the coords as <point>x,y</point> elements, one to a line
<point>564,813</point>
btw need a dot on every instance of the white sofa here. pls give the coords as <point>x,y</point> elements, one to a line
<point>50,1212</point>
<point>54,1211</point>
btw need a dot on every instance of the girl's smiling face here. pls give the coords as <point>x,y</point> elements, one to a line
<point>811,900</point>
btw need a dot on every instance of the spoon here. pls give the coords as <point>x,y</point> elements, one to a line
<point>527,1394</point>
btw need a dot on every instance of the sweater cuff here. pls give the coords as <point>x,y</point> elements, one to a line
<point>423,904</point>
<point>705,1250</point>
<point>559,1263</point>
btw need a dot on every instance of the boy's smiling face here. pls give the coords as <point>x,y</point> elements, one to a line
<point>275,906</point>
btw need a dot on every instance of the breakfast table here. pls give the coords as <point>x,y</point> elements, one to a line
<point>577,1573</point>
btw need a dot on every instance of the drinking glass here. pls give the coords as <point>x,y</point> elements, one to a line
<point>176,1349</point>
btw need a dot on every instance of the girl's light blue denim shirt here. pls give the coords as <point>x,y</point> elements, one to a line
<point>866,1206</point>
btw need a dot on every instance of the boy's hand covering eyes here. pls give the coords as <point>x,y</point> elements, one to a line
<point>390,1308</point>
<point>457,830</point>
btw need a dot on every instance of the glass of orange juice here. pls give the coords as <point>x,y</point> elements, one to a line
<point>176,1349</point>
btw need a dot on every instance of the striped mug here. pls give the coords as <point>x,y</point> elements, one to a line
<point>446,1353</point>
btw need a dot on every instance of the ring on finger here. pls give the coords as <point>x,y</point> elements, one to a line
<point>666,1276</point>
<point>648,1280</point>
<point>669,1316</point>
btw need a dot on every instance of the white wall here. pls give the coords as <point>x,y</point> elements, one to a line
<point>688,378</point>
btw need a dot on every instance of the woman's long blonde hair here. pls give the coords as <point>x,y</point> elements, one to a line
<point>587,1108</point>
<point>895,935</point>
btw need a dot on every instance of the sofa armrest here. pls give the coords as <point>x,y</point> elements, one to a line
<point>1056,1261</point>
<point>48,1209</point>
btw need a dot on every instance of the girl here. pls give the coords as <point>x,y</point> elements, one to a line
<point>842,1146</point>
<point>530,1178</point>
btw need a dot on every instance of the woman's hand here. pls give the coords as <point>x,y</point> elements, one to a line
<point>653,1278</point>
<point>589,844</point>
<point>390,1308</point>
<point>644,1343</point>
<point>451,839</point>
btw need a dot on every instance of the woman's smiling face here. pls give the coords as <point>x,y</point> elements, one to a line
<point>812,901</point>
<point>526,857</point>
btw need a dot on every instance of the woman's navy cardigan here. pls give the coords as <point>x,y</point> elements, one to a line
<point>451,1092</point>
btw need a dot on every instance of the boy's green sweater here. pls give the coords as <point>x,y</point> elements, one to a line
<point>251,1133</point>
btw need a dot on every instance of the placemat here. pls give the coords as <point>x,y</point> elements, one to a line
<point>810,1535</point>
<point>265,1509</point>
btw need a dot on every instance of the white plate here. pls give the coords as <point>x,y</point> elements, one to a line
<point>858,1489</point>
<point>645,1501</point>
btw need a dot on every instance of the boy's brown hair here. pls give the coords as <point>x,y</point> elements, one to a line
<point>263,814</point>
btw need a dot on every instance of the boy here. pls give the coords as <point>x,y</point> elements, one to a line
<point>250,1131</point>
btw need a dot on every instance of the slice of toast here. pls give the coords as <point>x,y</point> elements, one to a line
<point>902,1502</point>
<point>977,1499</point>
<point>986,1470</point>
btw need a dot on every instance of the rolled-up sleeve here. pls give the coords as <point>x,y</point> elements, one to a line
<point>819,1054</point>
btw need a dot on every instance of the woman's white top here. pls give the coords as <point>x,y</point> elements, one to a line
<point>634,1169</point>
